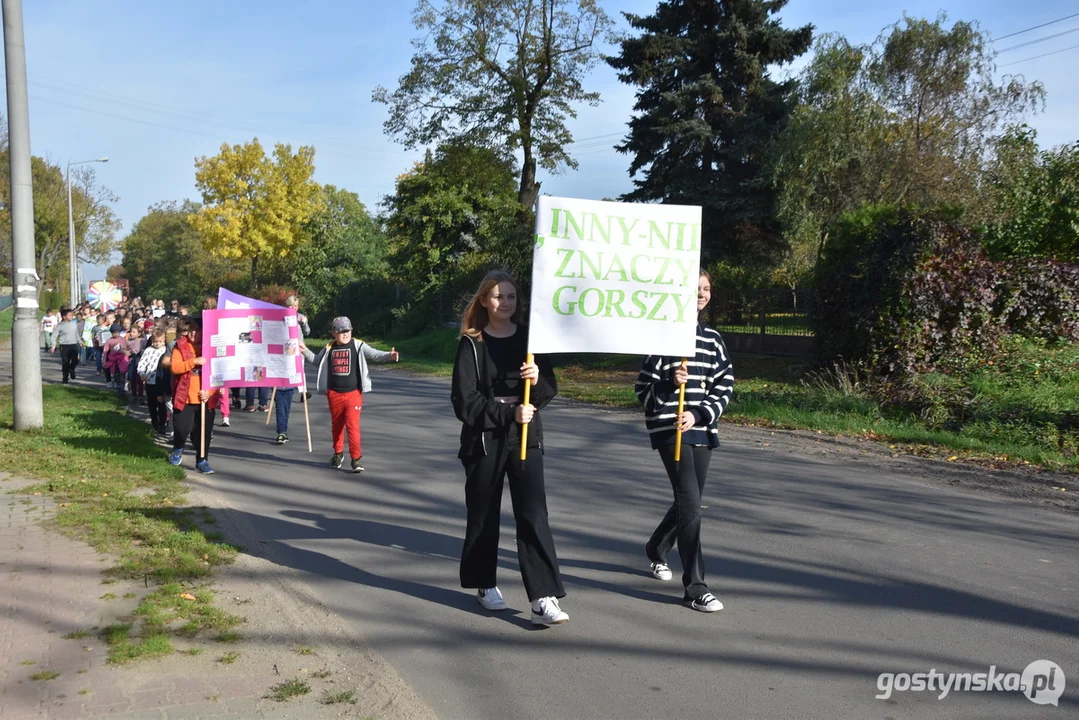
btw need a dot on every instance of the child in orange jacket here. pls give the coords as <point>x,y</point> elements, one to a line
<point>188,395</point>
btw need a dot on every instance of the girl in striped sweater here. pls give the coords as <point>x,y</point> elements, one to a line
<point>709,380</point>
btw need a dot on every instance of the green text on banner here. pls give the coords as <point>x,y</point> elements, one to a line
<point>615,277</point>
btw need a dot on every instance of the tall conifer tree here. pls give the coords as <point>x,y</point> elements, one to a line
<point>707,114</point>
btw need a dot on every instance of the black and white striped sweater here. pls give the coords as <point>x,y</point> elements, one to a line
<point>708,391</point>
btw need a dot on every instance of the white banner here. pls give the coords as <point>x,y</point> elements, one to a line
<point>615,278</point>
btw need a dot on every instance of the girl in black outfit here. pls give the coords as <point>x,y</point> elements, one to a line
<point>488,385</point>
<point>709,380</point>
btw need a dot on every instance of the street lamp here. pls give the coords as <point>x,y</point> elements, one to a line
<point>80,280</point>
<point>73,279</point>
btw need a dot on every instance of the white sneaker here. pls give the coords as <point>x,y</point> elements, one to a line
<point>225,422</point>
<point>708,603</point>
<point>491,599</point>
<point>661,571</point>
<point>545,611</point>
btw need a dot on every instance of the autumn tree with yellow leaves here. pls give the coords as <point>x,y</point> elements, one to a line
<point>254,206</point>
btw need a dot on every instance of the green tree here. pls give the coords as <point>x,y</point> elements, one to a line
<point>343,244</point>
<point>163,256</point>
<point>95,221</point>
<point>115,272</point>
<point>827,158</point>
<point>449,214</point>
<point>945,106</point>
<point>499,72</point>
<point>254,207</point>
<point>707,114</point>
<point>1035,195</point>
<point>908,121</point>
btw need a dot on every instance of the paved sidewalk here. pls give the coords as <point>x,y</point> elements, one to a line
<point>52,586</point>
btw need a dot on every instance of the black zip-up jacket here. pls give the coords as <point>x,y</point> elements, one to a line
<point>474,401</point>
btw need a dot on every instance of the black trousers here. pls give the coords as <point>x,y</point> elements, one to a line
<point>484,478</point>
<point>188,423</point>
<point>155,403</point>
<point>682,523</point>
<point>69,360</point>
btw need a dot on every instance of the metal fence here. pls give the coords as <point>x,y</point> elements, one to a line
<point>779,312</point>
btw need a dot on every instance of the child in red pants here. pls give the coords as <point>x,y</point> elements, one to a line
<point>344,378</point>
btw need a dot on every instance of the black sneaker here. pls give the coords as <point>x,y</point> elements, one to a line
<point>282,438</point>
<point>337,460</point>
<point>707,603</point>
<point>356,467</point>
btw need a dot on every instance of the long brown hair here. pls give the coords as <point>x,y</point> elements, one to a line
<point>475,317</point>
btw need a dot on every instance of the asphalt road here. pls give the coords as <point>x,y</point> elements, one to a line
<point>832,571</point>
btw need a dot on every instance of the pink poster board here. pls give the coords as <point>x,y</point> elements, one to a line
<point>251,347</point>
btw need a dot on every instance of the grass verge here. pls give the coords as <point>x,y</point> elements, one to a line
<point>7,320</point>
<point>114,490</point>
<point>336,698</point>
<point>286,690</point>
<point>44,675</point>
<point>1014,413</point>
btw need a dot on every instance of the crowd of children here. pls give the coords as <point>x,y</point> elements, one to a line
<point>151,355</point>
<point>124,345</point>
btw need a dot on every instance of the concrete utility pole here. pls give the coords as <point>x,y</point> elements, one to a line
<point>25,357</point>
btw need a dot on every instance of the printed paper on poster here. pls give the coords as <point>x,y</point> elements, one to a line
<point>231,328</point>
<point>251,354</point>
<point>227,368</point>
<point>274,333</point>
<point>279,366</point>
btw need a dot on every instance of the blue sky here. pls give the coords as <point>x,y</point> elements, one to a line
<point>154,85</point>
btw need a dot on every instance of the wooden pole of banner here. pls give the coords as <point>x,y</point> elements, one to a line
<point>678,426</point>
<point>306,417</point>
<point>202,417</point>
<point>524,428</point>
<point>273,396</point>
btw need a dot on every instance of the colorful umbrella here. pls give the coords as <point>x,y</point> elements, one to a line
<point>104,295</point>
